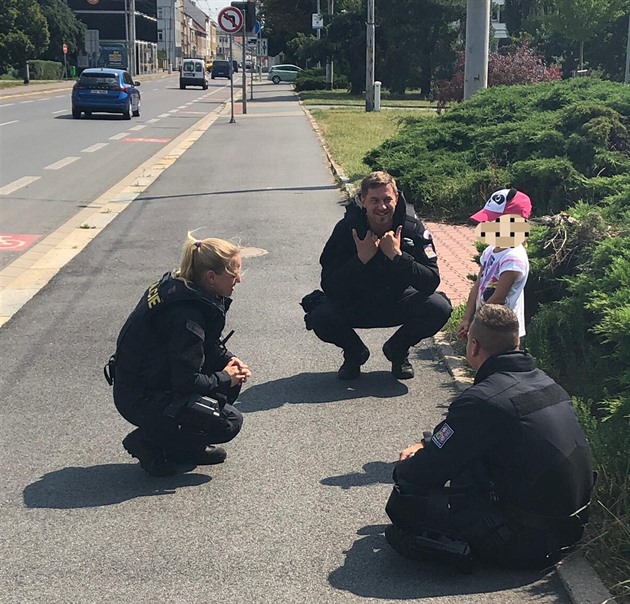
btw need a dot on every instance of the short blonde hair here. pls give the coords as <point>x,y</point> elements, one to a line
<point>202,255</point>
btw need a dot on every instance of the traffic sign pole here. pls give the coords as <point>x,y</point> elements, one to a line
<point>232,120</point>
<point>244,70</point>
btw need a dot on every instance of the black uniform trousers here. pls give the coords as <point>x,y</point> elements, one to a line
<point>186,430</point>
<point>468,513</point>
<point>420,316</point>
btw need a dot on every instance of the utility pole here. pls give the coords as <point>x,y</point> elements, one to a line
<point>627,76</point>
<point>132,37</point>
<point>369,58</point>
<point>477,42</point>
<point>329,62</point>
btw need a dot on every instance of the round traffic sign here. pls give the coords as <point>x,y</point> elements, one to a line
<point>230,19</point>
<point>257,28</point>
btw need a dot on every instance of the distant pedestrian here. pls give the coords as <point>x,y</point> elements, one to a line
<point>379,269</point>
<point>505,266</point>
<point>173,377</point>
<point>513,454</point>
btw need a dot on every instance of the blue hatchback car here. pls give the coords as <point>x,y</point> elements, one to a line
<point>105,90</point>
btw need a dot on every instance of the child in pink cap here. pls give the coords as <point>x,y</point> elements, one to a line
<point>505,266</point>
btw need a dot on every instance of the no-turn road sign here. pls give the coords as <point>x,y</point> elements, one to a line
<point>230,20</point>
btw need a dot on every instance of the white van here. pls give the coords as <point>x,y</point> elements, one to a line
<point>193,73</point>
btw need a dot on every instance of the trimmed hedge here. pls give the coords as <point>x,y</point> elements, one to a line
<point>560,142</point>
<point>315,79</point>
<point>45,70</point>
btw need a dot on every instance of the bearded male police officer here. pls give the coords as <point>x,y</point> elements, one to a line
<point>517,460</point>
<point>379,269</point>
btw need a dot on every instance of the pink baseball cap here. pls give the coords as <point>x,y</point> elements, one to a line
<point>505,201</point>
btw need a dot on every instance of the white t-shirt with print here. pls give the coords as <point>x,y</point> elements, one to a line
<point>492,265</point>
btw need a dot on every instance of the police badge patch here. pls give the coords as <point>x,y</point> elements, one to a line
<point>442,435</point>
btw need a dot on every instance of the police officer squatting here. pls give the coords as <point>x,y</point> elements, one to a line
<point>172,374</point>
<point>507,476</point>
<point>379,269</point>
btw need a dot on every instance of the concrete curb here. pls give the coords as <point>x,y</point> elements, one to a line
<point>578,577</point>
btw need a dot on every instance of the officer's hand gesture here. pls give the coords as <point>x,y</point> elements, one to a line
<point>390,243</point>
<point>238,371</point>
<point>410,451</point>
<point>366,248</point>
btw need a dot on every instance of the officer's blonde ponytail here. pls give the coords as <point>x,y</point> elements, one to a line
<point>202,255</point>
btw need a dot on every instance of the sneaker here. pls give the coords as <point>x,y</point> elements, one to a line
<point>208,456</point>
<point>151,457</point>
<point>401,368</point>
<point>351,368</point>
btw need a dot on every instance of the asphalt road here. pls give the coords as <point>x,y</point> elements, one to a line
<point>296,514</point>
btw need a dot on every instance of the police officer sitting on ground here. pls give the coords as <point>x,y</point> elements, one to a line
<point>379,269</point>
<point>517,460</point>
<point>173,376</point>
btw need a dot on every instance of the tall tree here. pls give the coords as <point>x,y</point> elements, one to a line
<point>23,32</point>
<point>580,21</point>
<point>64,27</point>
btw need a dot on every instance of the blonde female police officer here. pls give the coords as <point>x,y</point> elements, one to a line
<point>173,376</point>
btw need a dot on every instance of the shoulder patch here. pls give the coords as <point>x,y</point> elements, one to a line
<point>442,435</point>
<point>429,251</point>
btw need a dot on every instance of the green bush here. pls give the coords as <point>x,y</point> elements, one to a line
<point>560,142</point>
<point>45,70</point>
<point>315,79</point>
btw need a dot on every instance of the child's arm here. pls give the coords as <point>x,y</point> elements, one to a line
<point>506,281</point>
<point>471,307</point>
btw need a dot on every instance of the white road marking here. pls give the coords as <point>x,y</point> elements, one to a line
<point>182,106</point>
<point>7,123</point>
<point>94,148</point>
<point>117,137</point>
<point>59,111</point>
<point>139,127</point>
<point>173,110</point>
<point>24,102</point>
<point>163,115</point>
<point>61,163</point>
<point>7,105</point>
<point>18,184</point>
<point>152,121</point>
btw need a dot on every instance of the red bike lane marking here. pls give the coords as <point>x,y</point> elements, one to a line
<point>17,243</point>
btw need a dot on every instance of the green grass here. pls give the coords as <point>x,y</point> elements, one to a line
<point>350,133</point>
<point>15,83</point>
<point>340,97</point>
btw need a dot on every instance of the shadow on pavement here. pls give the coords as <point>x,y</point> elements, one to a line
<point>374,472</point>
<point>106,484</point>
<point>318,388</point>
<point>373,570</point>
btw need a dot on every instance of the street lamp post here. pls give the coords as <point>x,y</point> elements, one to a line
<point>369,58</point>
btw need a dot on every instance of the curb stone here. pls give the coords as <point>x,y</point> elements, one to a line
<point>580,581</point>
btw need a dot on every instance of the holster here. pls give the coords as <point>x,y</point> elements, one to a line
<point>109,370</point>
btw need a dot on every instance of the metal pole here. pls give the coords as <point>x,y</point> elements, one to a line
<point>244,32</point>
<point>232,120</point>
<point>477,43</point>
<point>627,76</point>
<point>329,62</point>
<point>132,31</point>
<point>127,46</point>
<point>369,58</point>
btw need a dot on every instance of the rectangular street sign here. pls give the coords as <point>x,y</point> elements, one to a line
<point>262,48</point>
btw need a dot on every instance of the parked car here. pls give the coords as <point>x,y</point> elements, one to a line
<point>193,73</point>
<point>283,73</point>
<point>105,90</point>
<point>221,69</point>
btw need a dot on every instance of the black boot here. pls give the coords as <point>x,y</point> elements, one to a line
<point>351,368</point>
<point>401,367</point>
<point>201,456</point>
<point>151,457</point>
